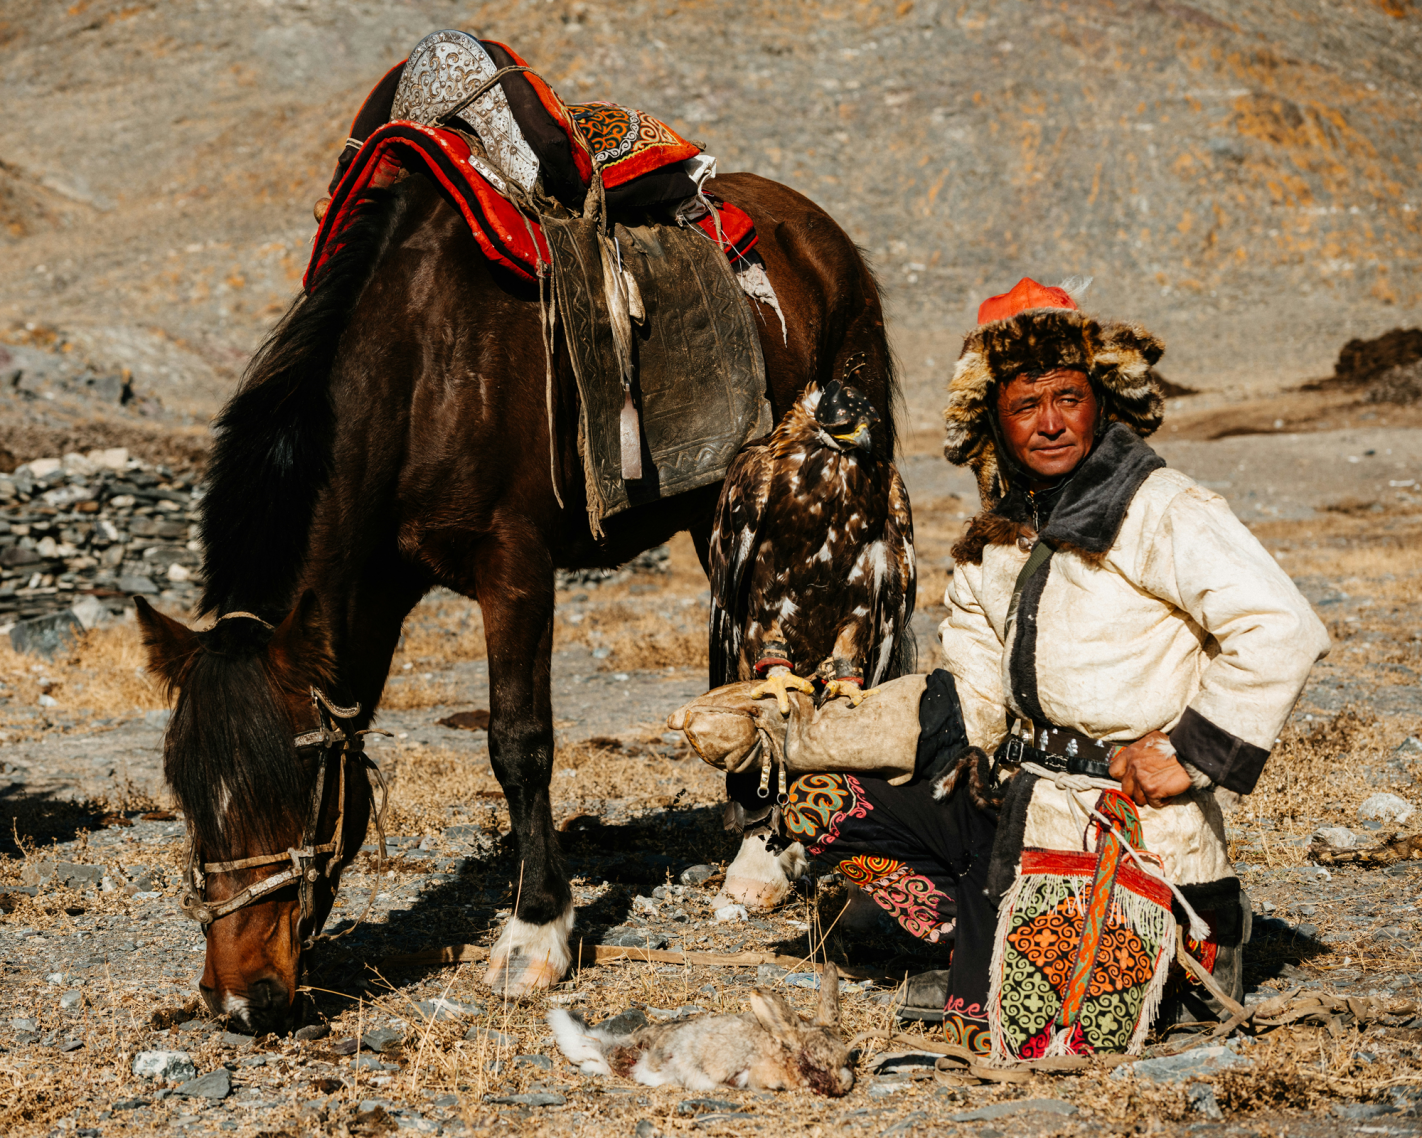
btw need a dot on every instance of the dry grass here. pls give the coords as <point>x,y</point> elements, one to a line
<point>102,677</point>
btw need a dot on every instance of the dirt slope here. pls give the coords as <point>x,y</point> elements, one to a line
<point>1241,176</point>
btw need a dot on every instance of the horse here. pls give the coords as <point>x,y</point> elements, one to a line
<point>391,435</point>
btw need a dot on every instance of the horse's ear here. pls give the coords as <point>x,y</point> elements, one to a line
<point>301,645</point>
<point>170,643</point>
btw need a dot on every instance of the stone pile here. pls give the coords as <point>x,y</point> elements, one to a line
<point>82,534</point>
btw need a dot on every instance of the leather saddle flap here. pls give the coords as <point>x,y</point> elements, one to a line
<point>698,373</point>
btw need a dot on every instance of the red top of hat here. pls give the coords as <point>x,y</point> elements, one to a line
<point>1025,294</point>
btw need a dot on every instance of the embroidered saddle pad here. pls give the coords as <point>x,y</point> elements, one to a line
<point>699,376</point>
<point>1083,947</point>
<point>506,237</point>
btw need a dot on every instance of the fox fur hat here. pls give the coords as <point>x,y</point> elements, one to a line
<point>1034,328</point>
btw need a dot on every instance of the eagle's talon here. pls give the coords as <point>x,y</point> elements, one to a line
<point>849,690</point>
<point>778,684</point>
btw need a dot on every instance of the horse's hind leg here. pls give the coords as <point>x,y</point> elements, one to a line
<point>514,584</point>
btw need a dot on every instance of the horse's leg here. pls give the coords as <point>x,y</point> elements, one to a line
<point>514,584</point>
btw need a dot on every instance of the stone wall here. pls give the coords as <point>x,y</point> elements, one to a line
<point>100,525</point>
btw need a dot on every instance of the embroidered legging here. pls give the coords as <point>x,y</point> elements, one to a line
<point>923,861</point>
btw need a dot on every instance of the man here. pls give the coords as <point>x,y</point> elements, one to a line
<point>1110,612</point>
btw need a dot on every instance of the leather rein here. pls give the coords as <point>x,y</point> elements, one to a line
<point>345,747</point>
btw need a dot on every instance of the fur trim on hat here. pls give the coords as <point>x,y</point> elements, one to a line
<point>1118,359</point>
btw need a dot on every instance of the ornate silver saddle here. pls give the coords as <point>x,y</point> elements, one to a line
<point>444,69</point>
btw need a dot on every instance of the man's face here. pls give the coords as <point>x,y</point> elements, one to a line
<point>1048,420</point>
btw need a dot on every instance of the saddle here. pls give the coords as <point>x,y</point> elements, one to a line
<point>650,270</point>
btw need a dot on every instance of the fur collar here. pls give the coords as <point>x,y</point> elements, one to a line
<point>1118,358</point>
<point>1087,515</point>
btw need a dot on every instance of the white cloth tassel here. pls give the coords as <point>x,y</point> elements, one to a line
<point>631,441</point>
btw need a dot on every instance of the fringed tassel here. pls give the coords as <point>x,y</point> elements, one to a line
<point>1000,1055</point>
<point>1155,992</point>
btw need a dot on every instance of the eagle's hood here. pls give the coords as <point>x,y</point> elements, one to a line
<point>1118,358</point>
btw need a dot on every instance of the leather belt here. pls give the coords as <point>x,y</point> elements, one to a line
<point>1060,749</point>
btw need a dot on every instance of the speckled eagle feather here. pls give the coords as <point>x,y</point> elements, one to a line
<point>813,546</point>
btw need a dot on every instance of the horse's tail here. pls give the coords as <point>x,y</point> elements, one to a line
<point>273,450</point>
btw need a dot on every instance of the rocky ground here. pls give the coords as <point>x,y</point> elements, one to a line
<point>1239,176</point>
<point>99,966</point>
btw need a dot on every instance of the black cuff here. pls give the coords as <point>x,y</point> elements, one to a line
<point>942,734</point>
<point>1230,762</point>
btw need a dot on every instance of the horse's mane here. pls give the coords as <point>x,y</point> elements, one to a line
<point>273,450</point>
<point>236,746</point>
<point>270,461</point>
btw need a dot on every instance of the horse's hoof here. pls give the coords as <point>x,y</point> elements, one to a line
<point>759,879</point>
<point>753,894</point>
<point>528,958</point>
<point>517,975</point>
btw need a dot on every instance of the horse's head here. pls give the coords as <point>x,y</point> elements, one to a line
<point>256,762</point>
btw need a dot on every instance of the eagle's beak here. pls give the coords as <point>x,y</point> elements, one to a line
<point>861,438</point>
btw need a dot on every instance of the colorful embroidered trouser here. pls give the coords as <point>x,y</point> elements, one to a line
<point>923,861</point>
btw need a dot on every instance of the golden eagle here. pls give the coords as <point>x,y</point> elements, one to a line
<point>811,558</point>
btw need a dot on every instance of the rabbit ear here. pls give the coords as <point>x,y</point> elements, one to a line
<point>827,1015</point>
<point>776,1016</point>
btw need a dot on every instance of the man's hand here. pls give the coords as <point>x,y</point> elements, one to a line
<point>1150,773</point>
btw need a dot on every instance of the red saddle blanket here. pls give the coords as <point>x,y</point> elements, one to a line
<point>633,143</point>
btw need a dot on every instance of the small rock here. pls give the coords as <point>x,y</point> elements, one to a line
<point>635,940</point>
<point>542,1062</point>
<point>624,1023</point>
<point>234,1039</point>
<point>642,904</point>
<point>382,1039</point>
<point>538,1099</point>
<point>371,1063</point>
<point>46,635</point>
<point>71,999</point>
<point>1020,1106</point>
<point>1409,746</point>
<point>464,832</point>
<point>645,1129</point>
<point>770,973</point>
<point>1358,1112</point>
<point>157,718</point>
<point>665,1015</point>
<point>24,1023</point>
<point>1339,837</point>
<point>708,1105</point>
<point>441,1010</point>
<point>697,874</point>
<point>1201,1097</point>
<point>1376,807</point>
<point>490,1036</point>
<point>166,1066</point>
<point>217,1085</point>
<point>347,1046</point>
<point>1177,1068</point>
<point>731,913</point>
<point>137,584</point>
<point>71,1045</point>
<point>313,1031</point>
<point>91,612</point>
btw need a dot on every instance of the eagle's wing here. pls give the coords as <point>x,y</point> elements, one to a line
<point>734,539</point>
<point>891,608</point>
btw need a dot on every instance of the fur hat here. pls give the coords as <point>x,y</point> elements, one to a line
<point>1117,358</point>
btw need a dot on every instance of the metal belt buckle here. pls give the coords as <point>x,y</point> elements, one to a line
<point>1011,754</point>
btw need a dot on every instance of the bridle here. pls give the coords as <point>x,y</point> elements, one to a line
<point>336,743</point>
